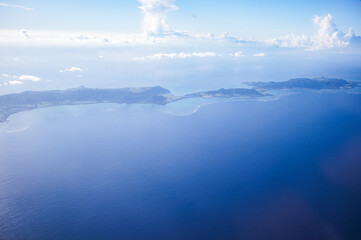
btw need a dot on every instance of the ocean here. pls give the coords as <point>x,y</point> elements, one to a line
<point>287,168</point>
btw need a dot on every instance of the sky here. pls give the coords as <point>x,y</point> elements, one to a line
<point>181,44</point>
<point>246,19</point>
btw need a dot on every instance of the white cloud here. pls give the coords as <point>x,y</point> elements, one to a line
<point>291,41</point>
<point>181,55</point>
<point>92,39</point>
<point>22,77</point>
<point>328,34</point>
<point>210,36</point>
<point>72,69</point>
<point>29,77</point>
<point>16,6</point>
<point>59,38</point>
<point>15,82</point>
<point>154,21</point>
<point>158,32</point>
<point>199,54</point>
<point>259,55</point>
<point>237,54</point>
<point>225,36</point>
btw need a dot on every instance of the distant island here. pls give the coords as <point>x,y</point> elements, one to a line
<point>29,100</point>
<point>25,101</point>
<point>305,83</point>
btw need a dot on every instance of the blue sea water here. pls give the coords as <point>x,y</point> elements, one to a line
<point>283,169</point>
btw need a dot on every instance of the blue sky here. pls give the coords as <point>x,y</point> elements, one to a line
<point>183,45</point>
<point>246,19</point>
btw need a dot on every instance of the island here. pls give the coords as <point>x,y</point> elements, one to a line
<point>227,93</point>
<point>29,100</point>
<point>305,83</point>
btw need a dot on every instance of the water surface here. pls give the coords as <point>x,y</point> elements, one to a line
<point>285,169</point>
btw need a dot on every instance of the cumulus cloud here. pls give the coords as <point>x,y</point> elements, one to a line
<point>15,6</point>
<point>72,69</point>
<point>22,77</point>
<point>328,36</point>
<point>154,11</point>
<point>181,55</point>
<point>259,55</point>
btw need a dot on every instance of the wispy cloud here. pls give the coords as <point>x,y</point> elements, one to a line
<point>71,69</point>
<point>16,6</point>
<point>181,55</point>
<point>259,55</point>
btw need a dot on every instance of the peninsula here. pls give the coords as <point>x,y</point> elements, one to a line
<point>29,100</point>
<point>25,101</point>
